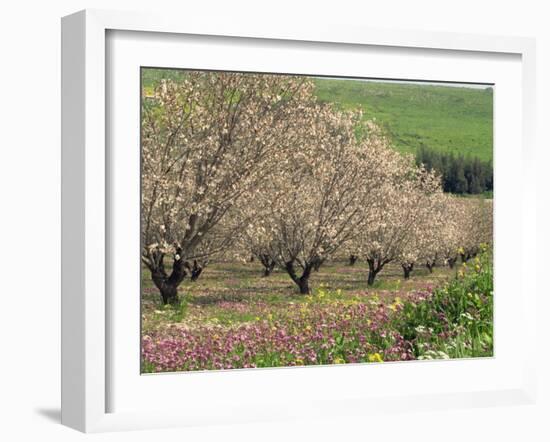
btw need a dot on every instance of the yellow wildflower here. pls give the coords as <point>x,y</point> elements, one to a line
<point>375,358</point>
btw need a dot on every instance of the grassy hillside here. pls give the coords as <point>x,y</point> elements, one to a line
<point>444,118</point>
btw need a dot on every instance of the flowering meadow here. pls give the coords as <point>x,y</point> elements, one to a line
<point>280,226</point>
<point>233,318</point>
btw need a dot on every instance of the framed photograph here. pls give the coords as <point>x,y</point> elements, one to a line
<point>263,224</point>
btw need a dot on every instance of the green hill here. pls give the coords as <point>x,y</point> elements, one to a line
<point>444,118</point>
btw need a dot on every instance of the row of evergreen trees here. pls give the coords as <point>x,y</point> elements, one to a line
<point>461,174</point>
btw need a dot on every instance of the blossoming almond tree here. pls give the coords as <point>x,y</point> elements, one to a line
<point>207,141</point>
<point>321,198</point>
<point>457,226</point>
<point>401,220</point>
<point>254,241</point>
<point>423,241</point>
<point>446,239</point>
<point>476,225</point>
<point>240,162</point>
<point>427,239</point>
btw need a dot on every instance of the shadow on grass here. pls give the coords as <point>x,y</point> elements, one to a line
<point>238,282</point>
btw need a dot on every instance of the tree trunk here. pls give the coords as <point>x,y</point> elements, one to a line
<point>317,264</point>
<point>372,275</point>
<point>301,281</point>
<point>303,284</point>
<point>169,293</point>
<point>168,285</point>
<point>451,262</point>
<point>268,263</point>
<point>430,266</point>
<point>407,269</point>
<point>195,274</point>
<point>353,259</point>
<point>269,269</point>
<point>373,271</point>
<point>195,269</point>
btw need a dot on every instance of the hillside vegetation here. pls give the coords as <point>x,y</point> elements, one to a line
<point>443,118</point>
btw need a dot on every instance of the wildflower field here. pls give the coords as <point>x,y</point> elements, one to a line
<point>232,317</point>
<point>284,223</point>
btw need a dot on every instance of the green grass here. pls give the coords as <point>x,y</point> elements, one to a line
<point>205,301</point>
<point>466,303</point>
<point>150,77</point>
<point>444,118</point>
<point>234,318</point>
<point>242,282</point>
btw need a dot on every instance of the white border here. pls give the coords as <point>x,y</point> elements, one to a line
<point>84,240</point>
<point>209,392</point>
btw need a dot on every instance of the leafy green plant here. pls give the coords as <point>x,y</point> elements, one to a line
<point>458,318</point>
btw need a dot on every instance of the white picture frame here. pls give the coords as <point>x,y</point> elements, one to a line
<point>86,309</point>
